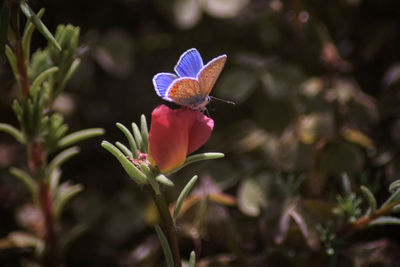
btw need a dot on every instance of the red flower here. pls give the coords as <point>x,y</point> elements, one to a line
<point>175,133</point>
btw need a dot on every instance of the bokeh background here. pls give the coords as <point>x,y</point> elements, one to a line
<point>316,87</point>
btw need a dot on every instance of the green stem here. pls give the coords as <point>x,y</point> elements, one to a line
<point>168,226</point>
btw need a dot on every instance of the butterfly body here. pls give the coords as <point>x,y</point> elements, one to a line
<point>193,81</point>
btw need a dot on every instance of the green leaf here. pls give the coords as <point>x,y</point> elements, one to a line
<point>27,180</point>
<point>192,259</point>
<point>198,157</point>
<point>54,180</point>
<point>27,35</point>
<point>146,169</point>
<point>129,136</point>
<point>42,77</point>
<point>128,166</point>
<point>74,66</point>
<point>371,199</point>
<point>182,196</point>
<point>17,109</point>
<point>395,196</point>
<point>124,149</point>
<point>12,60</point>
<point>165,246</point>
<point>385,220</point>
<point>79,136</point>
<point>62,157</point>
<point>4,23</point>
<point>14,132</point>
<point>145,132</point>
<point>39,24</point>
<point>138,136</point>
<point>394,186</point>
<point>161,178</point>
<point>64,194</point>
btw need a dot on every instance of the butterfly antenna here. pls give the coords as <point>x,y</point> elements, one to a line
<point>223,100</point>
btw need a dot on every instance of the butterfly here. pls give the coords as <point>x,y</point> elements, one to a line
<point>193,81</point>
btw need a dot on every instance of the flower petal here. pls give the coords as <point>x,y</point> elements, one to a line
<point>176,133</point>
<point>168,139</point>
<point>200,131</point>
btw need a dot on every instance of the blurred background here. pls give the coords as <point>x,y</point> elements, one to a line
<point>316,87</point>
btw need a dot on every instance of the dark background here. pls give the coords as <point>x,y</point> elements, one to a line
<point>301,74</point>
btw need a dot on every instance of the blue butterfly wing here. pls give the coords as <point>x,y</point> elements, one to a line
<point>161,83</point>
<point>189,64</point>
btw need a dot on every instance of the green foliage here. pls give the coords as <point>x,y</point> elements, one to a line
<point>41,79</point>
<point>30,15</point>
<point>182,196</point>
<point>165,246</point>
<point>348,209</point>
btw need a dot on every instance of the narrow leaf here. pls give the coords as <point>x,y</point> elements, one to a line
<point>26,179</point>
<point>371,199</point>
<point>128,166</point>
<point>185,192</point>
<point>27,35</point>
<point>62,157</point>
<point>12,60</point>
<point>138,136</point>
<point>63,197</point>
<point>39,24</point>
<point>395,196</point>
<point>394,186</point>
<point>124,149</point>
<point>54,180</point>
<point>129,136</point>
<point>145,132</point>
<point>146,169</point>
<point>192,259</point>
<point>161,178</point>
<point>198,157</point>
<point>14,132</point>
<point>4,23</point>
<point>42,77</point>
<point>385,220</point>
<point>165,246</point>
<point>74,66</point>
<point>79,136</point>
